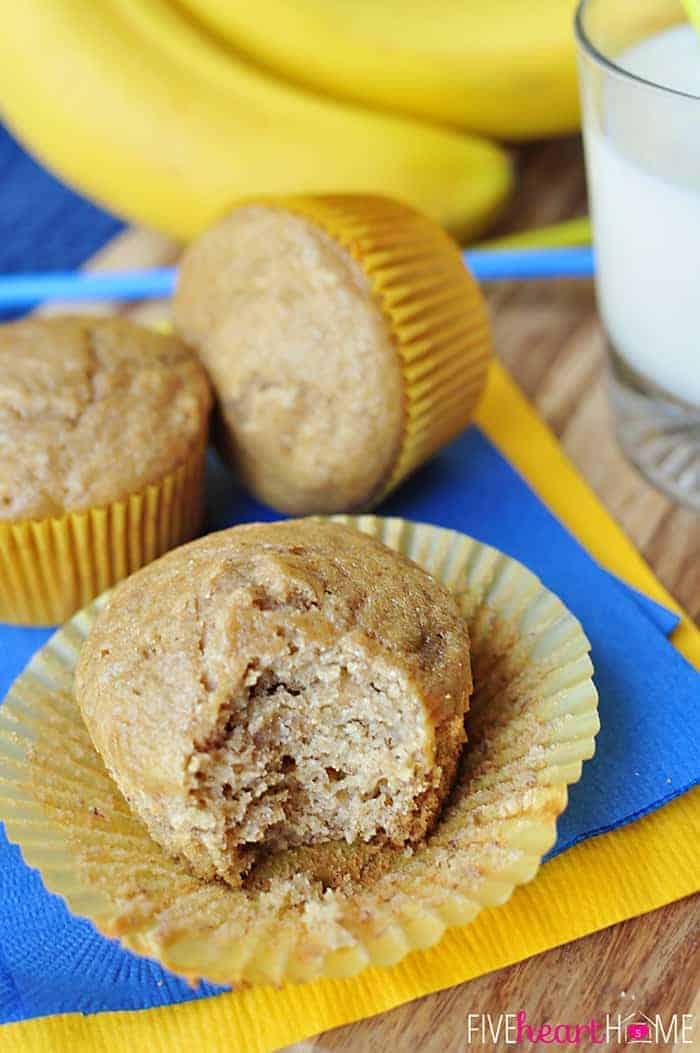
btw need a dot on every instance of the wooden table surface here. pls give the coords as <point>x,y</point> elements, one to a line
<point>548,335</point>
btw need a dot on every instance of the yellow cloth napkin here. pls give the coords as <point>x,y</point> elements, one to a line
<point>595,884</point>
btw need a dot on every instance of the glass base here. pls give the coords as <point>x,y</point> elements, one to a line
<point>659,434</point>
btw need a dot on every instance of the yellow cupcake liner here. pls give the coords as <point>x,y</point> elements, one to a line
<point>52,566</point>
<point>432,303</point>
<point>532,723</point>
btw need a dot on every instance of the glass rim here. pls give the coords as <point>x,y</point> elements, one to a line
<point>598,56</point>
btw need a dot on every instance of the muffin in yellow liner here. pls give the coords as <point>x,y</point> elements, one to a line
<point>533,721</point>
<point>80,400</point>
<point>345,338</point>
<point>51,567</point>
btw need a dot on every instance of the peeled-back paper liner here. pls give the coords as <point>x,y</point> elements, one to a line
<point>532,722</point>
<point>433,306</point>
<point>52,566</point>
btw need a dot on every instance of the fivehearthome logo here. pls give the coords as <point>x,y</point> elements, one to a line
<point>516,1029</point>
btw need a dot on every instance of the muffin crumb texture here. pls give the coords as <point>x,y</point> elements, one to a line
<point>279,689</point>
<point>91,410</point>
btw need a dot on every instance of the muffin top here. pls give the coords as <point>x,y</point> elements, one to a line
<point>302,358</point>
<point>91,410</point>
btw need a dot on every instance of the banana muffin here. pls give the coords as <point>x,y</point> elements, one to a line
<point>274,686</point>
<point>304,363</point>
<point>345,339</point>
<point>92,410</point>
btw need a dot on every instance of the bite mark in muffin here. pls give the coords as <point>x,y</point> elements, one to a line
<point>273,687</point>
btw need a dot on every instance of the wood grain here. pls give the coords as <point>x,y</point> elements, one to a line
<point>549,337</point>
<point>648,965</point>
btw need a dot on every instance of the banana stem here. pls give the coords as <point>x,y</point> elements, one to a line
<point>25,290</point>
<point>557,235</point>
<point>692,10</point>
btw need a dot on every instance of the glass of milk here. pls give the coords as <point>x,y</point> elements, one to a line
<point>639,70</point>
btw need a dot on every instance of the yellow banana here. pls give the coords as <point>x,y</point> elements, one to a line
<point>137,106</point>
<point>503,68</point>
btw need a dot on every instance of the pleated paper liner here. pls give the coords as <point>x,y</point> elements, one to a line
<point>433,306</point>
<point>532,723</point>
<point>51,567</point>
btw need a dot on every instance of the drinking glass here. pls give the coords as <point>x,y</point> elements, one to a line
<point>639,74</point>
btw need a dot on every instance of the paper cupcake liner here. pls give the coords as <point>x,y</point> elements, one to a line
<point>51,567</point>
<point>532,723</point>
<point>434,308</point>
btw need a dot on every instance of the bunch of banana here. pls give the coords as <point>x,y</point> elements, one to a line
<point>502,68</point>
<point>145,110</point>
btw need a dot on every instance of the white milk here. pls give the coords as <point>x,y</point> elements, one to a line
<point>644,184</point>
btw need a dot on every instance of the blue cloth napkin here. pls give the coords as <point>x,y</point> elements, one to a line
<point>649,695</point>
